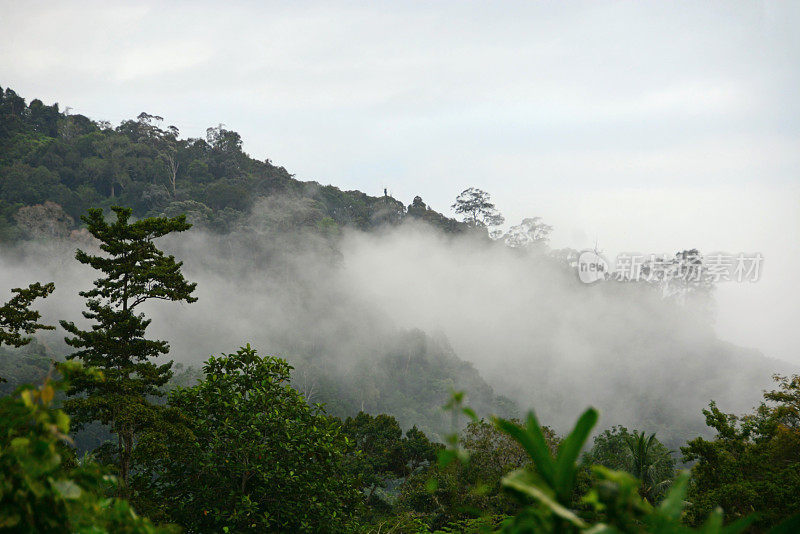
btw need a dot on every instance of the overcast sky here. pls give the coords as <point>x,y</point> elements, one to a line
<point>647,127</point>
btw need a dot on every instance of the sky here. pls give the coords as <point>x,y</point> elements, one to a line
<point>630,126</point>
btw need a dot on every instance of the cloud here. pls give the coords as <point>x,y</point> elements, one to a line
<point>528,325</point>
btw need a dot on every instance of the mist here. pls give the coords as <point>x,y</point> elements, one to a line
<point>339,305</point>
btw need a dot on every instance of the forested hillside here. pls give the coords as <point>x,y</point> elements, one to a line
<point>247,352</point>
<point>49,156</point>
<point>54,166</point>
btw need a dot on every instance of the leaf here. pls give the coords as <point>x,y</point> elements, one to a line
<point>534,444</point>
<point>521,480</point>
<point>47,393</point>
<point>740,525</point>
<point>9,520</point>
<point>431,485</point>
<point>714,522</point>
<point>62,421</point>
<point>469,412</point>
<point>19,443</point>
<point>445,457</point>
<point>789,526</point>
<point>67,489</point>
<point>674,501</point>
<point>569,451</point>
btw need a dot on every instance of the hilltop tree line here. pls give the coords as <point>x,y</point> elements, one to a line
<point>54,166</point>
<point>65,164</point>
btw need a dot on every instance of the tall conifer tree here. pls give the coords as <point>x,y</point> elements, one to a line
<point>134,271</point>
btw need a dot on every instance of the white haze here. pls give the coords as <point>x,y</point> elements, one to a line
<point>534,332</point>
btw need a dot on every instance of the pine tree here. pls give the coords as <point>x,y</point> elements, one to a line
<point>134,272</point>
<point>16,317</point>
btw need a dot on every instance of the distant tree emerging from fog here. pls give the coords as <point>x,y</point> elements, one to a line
<point>531,232</point>
<point>476,207</point>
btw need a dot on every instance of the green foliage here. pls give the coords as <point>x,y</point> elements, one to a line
<point>16,317</point>
<point>40,490</point>
<point>71,161</point>
<point>646,458</point>
<point>546,489</point>
<point>242,450</point>
<point>465,484</point>
<point>753,464</point>
<point>134,272</point>
<point>552,479</point>
<point>382,452</point>
<point>257,457</point>
<point>646,461</point>
<point>28,364</point>
<point>411,382</point>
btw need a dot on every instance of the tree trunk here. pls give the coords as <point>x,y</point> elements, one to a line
<point>125,461</point>
<point>120,448</point>
<point>175,167</point>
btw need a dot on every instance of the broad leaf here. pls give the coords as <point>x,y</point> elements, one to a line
<point>569,451</point>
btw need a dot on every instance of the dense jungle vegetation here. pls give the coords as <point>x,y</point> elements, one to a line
<point>241,444</point>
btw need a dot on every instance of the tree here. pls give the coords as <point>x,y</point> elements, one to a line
<point>494,453</point>
<point>642,456</point>
<point>382,452</point>
<point>170,157</point>
<point>478,210</point>
<point>448,492</point>
<point>684,277</point>
<point>48,220</point>
<point>43,488</point>
<point>16,317</point>
<point>378,441</point>
<point>531,232</point>
<point>753,463</point>
<point>260,459</point>
<point>226,152</point>
<point>546,487</point>
<point>135,271</point>
<point>113,168</point>
<point>418,450</point>
<point>223,140</point>
<point>165,142</point>
<point>419,210</point>
<point>648,463</point>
